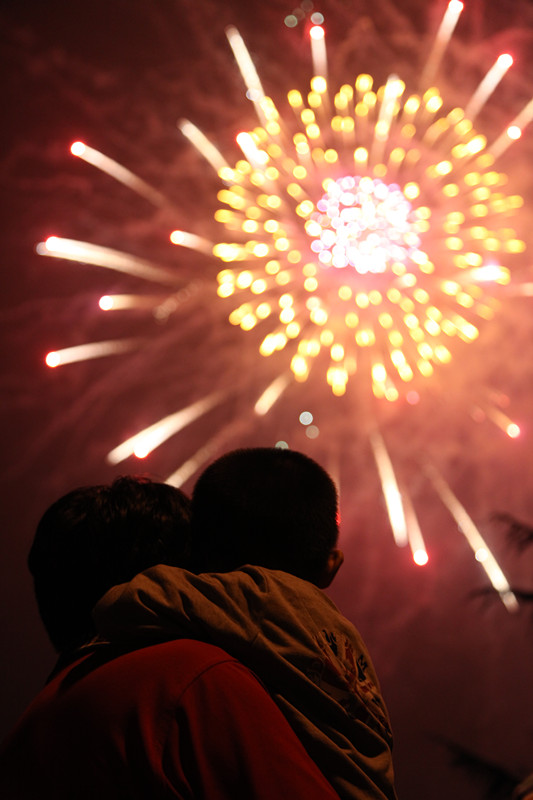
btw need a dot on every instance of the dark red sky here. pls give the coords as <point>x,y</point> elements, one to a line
<point>455,667</point>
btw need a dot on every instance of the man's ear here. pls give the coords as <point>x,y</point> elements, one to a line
<point>334,563</point>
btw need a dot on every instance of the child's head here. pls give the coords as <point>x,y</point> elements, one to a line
<point>96,537</point>
<point>270,507</point>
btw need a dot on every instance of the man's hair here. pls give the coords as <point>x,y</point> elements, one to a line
<point>96,537</point>
<point>271,507</point>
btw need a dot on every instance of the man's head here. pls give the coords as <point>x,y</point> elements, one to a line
<point>96,537</point>
<point>269,507</point>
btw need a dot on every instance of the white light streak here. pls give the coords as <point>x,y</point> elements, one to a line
<point>256,157</point>
<point>524,117</point>
<point>85,253</point>
<point>207,451</point>
<point>506,139</point>
<point>192,241</point>
<point>272,394</point>
<point>85,352</point>
<point>318,51</point>
<point>247,70</point>
<point>520,289</point>
<point>490,273</point>
<point>205,147</point>
<point>118,172</point>
<point>474,538</point>
<point>391,492</point>
<point>147,440</point>
<point>444,34</point>
<point>160,305</point>
<point>189,467</point>
<point>120,302</point>
<point>487,86</point>
<point>414,532</point>
<point>504,423</point>
<point>393,90</point>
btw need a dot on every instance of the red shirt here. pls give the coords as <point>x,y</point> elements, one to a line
<point>175,720</point>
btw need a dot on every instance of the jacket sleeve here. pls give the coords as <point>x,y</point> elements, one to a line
<point>167,602</point>
<point>230,740</point>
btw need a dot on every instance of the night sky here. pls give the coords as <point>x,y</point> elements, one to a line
<point>455,665</point>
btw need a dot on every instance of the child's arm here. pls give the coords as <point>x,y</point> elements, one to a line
<point>167,603</point>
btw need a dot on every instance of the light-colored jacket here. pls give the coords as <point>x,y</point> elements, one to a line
<point>311,659</point>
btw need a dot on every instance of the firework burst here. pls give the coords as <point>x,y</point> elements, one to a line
<point>367,233</point>
<point>356,244</point>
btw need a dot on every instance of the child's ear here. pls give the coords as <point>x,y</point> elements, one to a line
<point>334,563</point>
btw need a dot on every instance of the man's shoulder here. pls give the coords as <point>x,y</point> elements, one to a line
<point>187,658</point>
<point>198,654</point>
<point>190,649</point>
<point>180,661</point>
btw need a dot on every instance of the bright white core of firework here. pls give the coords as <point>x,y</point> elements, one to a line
<point>362,223</point>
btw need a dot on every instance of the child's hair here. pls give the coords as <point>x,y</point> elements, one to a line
<point>270,507</point>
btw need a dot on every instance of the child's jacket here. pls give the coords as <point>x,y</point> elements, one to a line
<point>311,659</point>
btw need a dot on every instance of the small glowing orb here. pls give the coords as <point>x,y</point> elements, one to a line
<point>53,359</point>
<point>481,554</point>
<point>52,243</point>
<point>141,450</point>
<point>362,223</point>
<point>106,303</point>
<point>513,430</point>
<point>312,432</point>
<point>514,132</point>
<point>77,148</point>
<point>306,418</point>
<point>177,237</point>
<point>505,60</point>
<point>420,557</point>
<point>281,445</point>
<point>316,32</point>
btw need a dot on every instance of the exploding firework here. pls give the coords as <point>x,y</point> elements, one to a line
<point>357,246</point>
<point>367,231</point>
